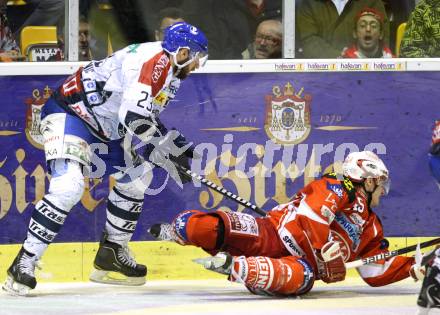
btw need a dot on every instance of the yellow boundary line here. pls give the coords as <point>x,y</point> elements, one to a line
<point>71,262</point>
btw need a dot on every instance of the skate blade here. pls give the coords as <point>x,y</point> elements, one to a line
<point>427,311</point>
<point>113,277</point>
<point>14,288</point>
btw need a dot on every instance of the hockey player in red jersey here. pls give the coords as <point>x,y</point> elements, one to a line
<point>328,222</point>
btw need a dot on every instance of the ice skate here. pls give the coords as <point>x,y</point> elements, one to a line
<point>114,265</point>
<point>21,274</point>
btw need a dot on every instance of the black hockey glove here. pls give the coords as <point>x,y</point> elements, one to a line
<point>166,150</point>
<point>183,159</point>
<point>435,149</point>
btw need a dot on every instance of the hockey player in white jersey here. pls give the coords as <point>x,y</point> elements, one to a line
<point>110,101</point>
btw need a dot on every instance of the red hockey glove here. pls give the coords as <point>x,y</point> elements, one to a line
<point>333,269</point>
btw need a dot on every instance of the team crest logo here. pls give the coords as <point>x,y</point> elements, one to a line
<point>287,115</point>
<point>33,116</point>
<point>345,248</point>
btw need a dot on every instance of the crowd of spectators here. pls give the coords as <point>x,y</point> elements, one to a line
<point>236,29</point>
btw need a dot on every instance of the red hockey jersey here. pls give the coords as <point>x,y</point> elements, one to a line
<point>332,209</point>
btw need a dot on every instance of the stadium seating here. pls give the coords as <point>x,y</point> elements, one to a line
<point>16,2</point>
<point>39,43</point>
<point>399,36</point>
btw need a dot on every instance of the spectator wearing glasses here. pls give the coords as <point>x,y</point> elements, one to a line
<point>234,23</point>
<point>368,34</point>
<point>267,43</point>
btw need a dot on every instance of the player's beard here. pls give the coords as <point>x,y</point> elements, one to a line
<point>184,72</point>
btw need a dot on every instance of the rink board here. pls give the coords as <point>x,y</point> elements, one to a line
<point>72,262</point>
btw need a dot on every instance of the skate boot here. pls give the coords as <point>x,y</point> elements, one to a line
<point>21,277</point>
<point>115,265</point>
<point>429,297</point>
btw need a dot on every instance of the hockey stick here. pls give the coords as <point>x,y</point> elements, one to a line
<point>393,253</point>
<point>220,189</point>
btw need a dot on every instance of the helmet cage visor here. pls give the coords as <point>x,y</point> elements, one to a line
<point>199,56</point>
<point>385,183</point>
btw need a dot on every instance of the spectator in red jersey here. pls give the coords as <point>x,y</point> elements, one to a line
<point>325,27</point>
<point>368,34</point>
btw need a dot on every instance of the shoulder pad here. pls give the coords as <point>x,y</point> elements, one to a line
<point>346,183</point>
<point>154,72</point>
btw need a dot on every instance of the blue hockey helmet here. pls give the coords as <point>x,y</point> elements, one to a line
<point>183,35</point>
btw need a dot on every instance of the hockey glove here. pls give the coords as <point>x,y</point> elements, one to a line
<point>183,159</point>
<point>333,267</point>
<point>181,142</point>
<point>417,272</point>
<point>163,148</point>
<point>220,263</point>
<point>165,153</point>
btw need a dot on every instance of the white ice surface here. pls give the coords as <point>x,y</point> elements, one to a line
<point>210,297</point>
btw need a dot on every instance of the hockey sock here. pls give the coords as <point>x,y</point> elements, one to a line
<point>46,222</point>
<point>264,275</point>
<point>122,216</point>
<point>65,190</point>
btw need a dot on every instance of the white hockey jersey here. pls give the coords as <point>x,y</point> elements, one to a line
<point>136,82</point>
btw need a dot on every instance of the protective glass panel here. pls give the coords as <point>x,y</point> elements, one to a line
<point>356,29</point>
<point>235,29</point>
<point>32,30</point>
